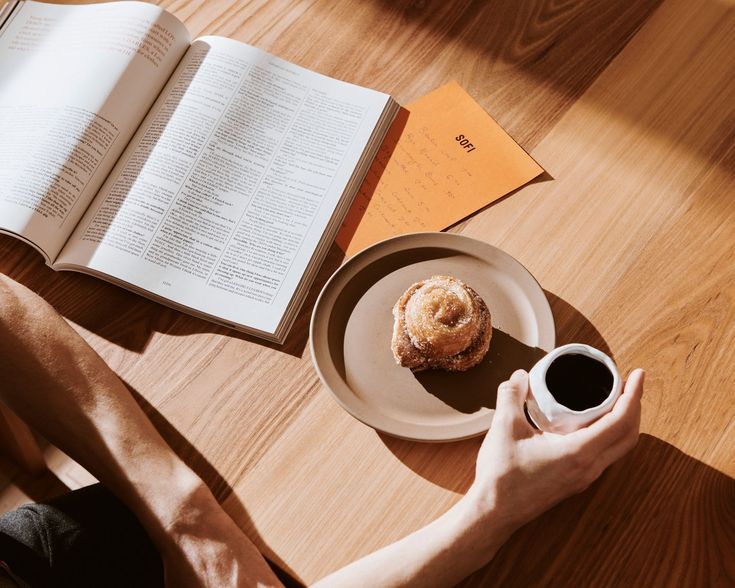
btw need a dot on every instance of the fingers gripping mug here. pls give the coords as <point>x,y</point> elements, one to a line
<point>571,387</point>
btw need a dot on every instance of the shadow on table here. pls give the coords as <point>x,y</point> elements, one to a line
<point>658,517</point>
<point>37,487</point>
<point>506,354</point>
<point>476,388</point>
<point>631,527</point>
<point>540,57</point>
<point>130,320</point>
<point>220,487</point>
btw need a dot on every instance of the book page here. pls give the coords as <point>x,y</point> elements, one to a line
<point>75,83</point>
<point>226,190</point>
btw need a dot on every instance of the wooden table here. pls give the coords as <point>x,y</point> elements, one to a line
<point>631,109</point>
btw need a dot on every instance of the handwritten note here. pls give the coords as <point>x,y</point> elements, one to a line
<point>443,159</point>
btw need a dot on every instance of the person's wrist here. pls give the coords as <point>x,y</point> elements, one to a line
<point>178,503</point>
<point>485,506</point>
<point>471,532</point>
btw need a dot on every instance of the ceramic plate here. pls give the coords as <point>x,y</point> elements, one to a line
<point>351,333</point>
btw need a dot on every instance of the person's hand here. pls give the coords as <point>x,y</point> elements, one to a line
<point>204,547</point>
<point>522,472</point>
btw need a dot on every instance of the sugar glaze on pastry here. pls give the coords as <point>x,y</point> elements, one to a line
<point>440,323</point>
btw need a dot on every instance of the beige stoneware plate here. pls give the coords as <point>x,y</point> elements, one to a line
<point>351,333</point>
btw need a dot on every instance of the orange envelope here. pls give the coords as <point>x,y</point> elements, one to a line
<point>443,159</point>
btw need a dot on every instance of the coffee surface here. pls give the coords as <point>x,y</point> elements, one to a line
<point>578,381</point>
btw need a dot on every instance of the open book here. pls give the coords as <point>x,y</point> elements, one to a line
<point>207,175</point>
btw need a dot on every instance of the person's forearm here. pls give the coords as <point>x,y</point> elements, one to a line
<point>520,473</point>
<point>55,382</point>
<point>440,554</point>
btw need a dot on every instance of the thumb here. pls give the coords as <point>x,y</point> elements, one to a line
<point>512,396</point>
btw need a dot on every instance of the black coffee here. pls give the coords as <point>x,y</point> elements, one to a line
<point>578,382</point>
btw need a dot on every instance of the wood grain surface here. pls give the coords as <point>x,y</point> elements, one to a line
<point>630,107</point>
<point>17,440</point>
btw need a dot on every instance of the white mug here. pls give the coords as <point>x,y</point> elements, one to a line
<point>546,413</point>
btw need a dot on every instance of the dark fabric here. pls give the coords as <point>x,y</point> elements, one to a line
<point>10,580</point>
<point>82,539</point>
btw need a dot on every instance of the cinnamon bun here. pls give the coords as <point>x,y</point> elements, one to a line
<point>440,323</point>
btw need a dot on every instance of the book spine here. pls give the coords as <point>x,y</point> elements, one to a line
<point>7,11</point>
